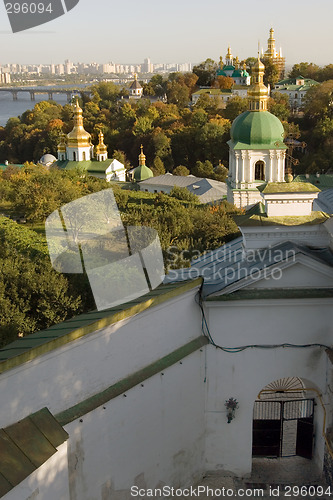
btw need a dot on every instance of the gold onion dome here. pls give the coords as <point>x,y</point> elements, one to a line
<point>101,148</point>
<point>258,92</point>
<point>142,157</point>
<point>62,144</point>
<point>257,128</point>
<point>78,136</point>
<point>142,172</point>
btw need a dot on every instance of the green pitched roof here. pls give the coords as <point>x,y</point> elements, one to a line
<point>257,130</point>
<point>26,445</point>
<point>323,181</point>
<point>30,347</point>
<point>89,166</point>
<point>289,187</point>
<point>257,219</point>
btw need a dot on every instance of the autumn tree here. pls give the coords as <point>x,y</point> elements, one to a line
<point>206,72</point>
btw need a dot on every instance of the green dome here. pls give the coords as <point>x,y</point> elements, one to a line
<point>257,130</point>
<point>142,172</point>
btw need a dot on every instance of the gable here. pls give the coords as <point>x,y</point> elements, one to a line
<point>297,275</point>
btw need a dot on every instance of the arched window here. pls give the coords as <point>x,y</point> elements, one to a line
<point>74,156</point>
<point>259,171</point>
<point>84,156</point>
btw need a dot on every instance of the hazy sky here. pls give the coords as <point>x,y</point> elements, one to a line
<point>128,31</point>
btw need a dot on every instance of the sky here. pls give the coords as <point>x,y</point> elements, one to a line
<point>128,31</point>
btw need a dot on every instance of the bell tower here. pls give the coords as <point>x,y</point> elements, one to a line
<point>256,149</point>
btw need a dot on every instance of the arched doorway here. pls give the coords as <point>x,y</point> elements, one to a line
<point>283,417</point>
<point>259,171</point>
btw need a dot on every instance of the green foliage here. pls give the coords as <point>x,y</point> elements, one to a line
<point>235,106</point>
<point>36,191</point>
<point>33,296</point>
<point>157,167</point>
<point>181,170</point>
<point>206,72</point>
<point>305,69</point>
<point>183,194</point>
<point>278,105</point>
<point>271,75</point>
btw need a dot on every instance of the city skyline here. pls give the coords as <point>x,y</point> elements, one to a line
<point>173,33</point>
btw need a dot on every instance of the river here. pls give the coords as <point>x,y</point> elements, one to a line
<point>10,108</point>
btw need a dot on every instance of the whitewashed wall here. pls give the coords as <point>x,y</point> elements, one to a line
<point>242,375</point>
<point>152,437</point>
<point>48,482</point>
<point>72,373</point>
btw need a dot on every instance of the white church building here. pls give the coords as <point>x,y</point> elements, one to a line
<point>76,150</point>
<point>204,373</point>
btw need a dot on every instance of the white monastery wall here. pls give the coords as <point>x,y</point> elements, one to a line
<point>152,437</point>
<point>248,372</point>
<point>75,371</point>
<point>48,482</point>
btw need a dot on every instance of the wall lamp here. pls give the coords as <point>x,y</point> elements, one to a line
<point>231,404</point>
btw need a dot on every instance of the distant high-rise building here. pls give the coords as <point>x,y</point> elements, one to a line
<point>147,66</point>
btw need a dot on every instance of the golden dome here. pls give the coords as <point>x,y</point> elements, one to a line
<point>142,157</point>
<point>101,148</point>
<point>78,136</point>
<point>258,92</point>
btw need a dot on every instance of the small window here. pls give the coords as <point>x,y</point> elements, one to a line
<point>259,172</point>
<point>74,156</point>
<point>84,156</point>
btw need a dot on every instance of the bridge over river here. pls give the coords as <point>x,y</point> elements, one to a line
<point>45,90</point>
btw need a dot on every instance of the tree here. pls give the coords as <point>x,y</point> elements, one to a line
<point>206,72</point>
<point>305,69</point>
<point>105,94</point>
<point>278,105</point>
<point>181,170</point>
<point>203,169</point>
<point>318,102</point>
<point>177,94</point>
<point>235,106</point>
<point>157,167</point>
<point>33,296</point>
<point>223,82</point>
<point>271,75</point>
<point>183,194</point>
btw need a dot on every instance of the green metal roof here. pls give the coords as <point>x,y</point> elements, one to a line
<point>212,91</point>
<point>36,344</point>
<point>26,445</point>
<point>257,130</point>
<point>256,219</point>
<point>323,181</point>
<point>289,187</point>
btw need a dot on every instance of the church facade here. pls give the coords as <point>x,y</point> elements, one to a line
<point>76,150</point>
<point>256,148</point>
